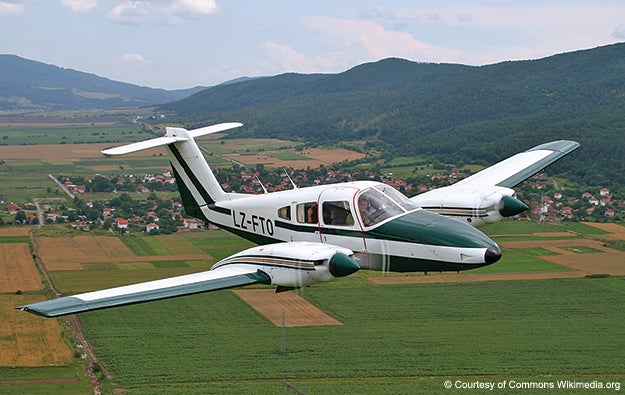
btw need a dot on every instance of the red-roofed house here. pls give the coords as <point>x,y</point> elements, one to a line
<point>121,223</point>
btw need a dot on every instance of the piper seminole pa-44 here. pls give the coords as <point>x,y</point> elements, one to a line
<point>319,233</point>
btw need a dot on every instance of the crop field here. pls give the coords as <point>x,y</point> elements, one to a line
<point>402,338</point>
<point>392,337</point>
<point>34,133</point>
<point>274,306</point>
<point>313,157</point>
<point>17,269</point>
<point>29,340</point>
<point>15,231</point>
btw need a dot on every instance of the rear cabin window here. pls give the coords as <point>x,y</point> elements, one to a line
<point>337,213</point>
<point>307,213</point>
<point>285,213</point>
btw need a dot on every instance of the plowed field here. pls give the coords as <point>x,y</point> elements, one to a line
<point>297,310</point>
<point>17,269</point>
<point>28,340</point>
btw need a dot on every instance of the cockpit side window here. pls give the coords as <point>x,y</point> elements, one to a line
<point>398,197</point>
<point>374,207</point>
<point>337,213</point>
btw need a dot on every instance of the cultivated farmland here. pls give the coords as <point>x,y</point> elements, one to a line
<point>29,340</point>
<point>17,269</point>
<point>394,338</point>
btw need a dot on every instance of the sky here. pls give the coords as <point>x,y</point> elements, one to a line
<point>177,44</point>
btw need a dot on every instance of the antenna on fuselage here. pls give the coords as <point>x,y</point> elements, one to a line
<point>261,184</point>
<point>290,179</point>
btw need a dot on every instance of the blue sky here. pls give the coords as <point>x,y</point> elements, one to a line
<point>175,44</point>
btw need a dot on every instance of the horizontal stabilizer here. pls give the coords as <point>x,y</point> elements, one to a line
<point>141,145</point>
<point>172,136</point>
<point>214,129</point>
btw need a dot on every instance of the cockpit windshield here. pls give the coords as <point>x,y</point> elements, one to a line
<point>381,202</point>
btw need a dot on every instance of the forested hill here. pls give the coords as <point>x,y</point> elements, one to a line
<point>30,85</point>
<point>456,112</point>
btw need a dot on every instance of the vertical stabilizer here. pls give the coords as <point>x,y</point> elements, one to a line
<point>195,179</point>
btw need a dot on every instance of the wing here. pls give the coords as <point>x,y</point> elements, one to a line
<point>518,168</point>
<point>220,278</point>
<point>287,264</point>
<point>487,196</point>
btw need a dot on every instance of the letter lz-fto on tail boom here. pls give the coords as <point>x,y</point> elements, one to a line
<point>306,235</point>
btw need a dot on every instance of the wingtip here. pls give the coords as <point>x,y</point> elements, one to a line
<point>563,146</point>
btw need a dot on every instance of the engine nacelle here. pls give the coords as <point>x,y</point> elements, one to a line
<point>474,204</point>
<point>296,264</point>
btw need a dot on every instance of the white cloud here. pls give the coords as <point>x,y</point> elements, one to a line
<point>284,58</point>
<point>133,58</point>
<point>79,6</point>
<point>194,7</point>
<point>150,12</point>
<point>371,41</point>
<point>619,32</point>
<point>12,9</point>
<point>131,12</point>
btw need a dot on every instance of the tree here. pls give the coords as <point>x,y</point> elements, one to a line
<point>20,217</point>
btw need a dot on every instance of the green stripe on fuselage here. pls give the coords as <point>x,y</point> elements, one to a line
<point>424,227</point>
<point>396,263</point>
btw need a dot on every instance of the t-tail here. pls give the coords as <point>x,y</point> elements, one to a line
<point>196,182</point>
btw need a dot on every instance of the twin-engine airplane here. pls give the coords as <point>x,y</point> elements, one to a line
<point>320,233</point>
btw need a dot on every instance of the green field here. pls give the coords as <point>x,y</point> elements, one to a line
<point>45,380</point>
<point>400,339</point>
<point>395,339</point>
<point>71,134</point>
<point>144,246</point>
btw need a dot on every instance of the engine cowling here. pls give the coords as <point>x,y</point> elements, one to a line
<point>297,264</point>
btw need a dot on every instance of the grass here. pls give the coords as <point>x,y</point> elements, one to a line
<point>164,264</point>
<point>509,227</point>
<point>77,281</point>
<point>402,339</point>
<point>219,244</point>
<point>44,380</point>
<point>581,228</point>
<point>581,249</point>
<point>288,155</point>
<point>145,246</point>
<point>14,239</point>
<point>521,261</point>
<point>70,134</point>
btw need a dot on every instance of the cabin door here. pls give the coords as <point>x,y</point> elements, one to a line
<point>338,223</point>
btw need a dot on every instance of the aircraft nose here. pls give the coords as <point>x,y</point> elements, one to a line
<point>492,255</point>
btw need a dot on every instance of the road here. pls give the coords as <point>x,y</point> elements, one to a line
<point>62,186</point>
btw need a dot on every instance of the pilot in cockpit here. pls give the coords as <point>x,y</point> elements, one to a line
<point>365,210</point>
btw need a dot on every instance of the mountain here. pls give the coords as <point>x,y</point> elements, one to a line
<point>27,84</point>
<point>454,112</point>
